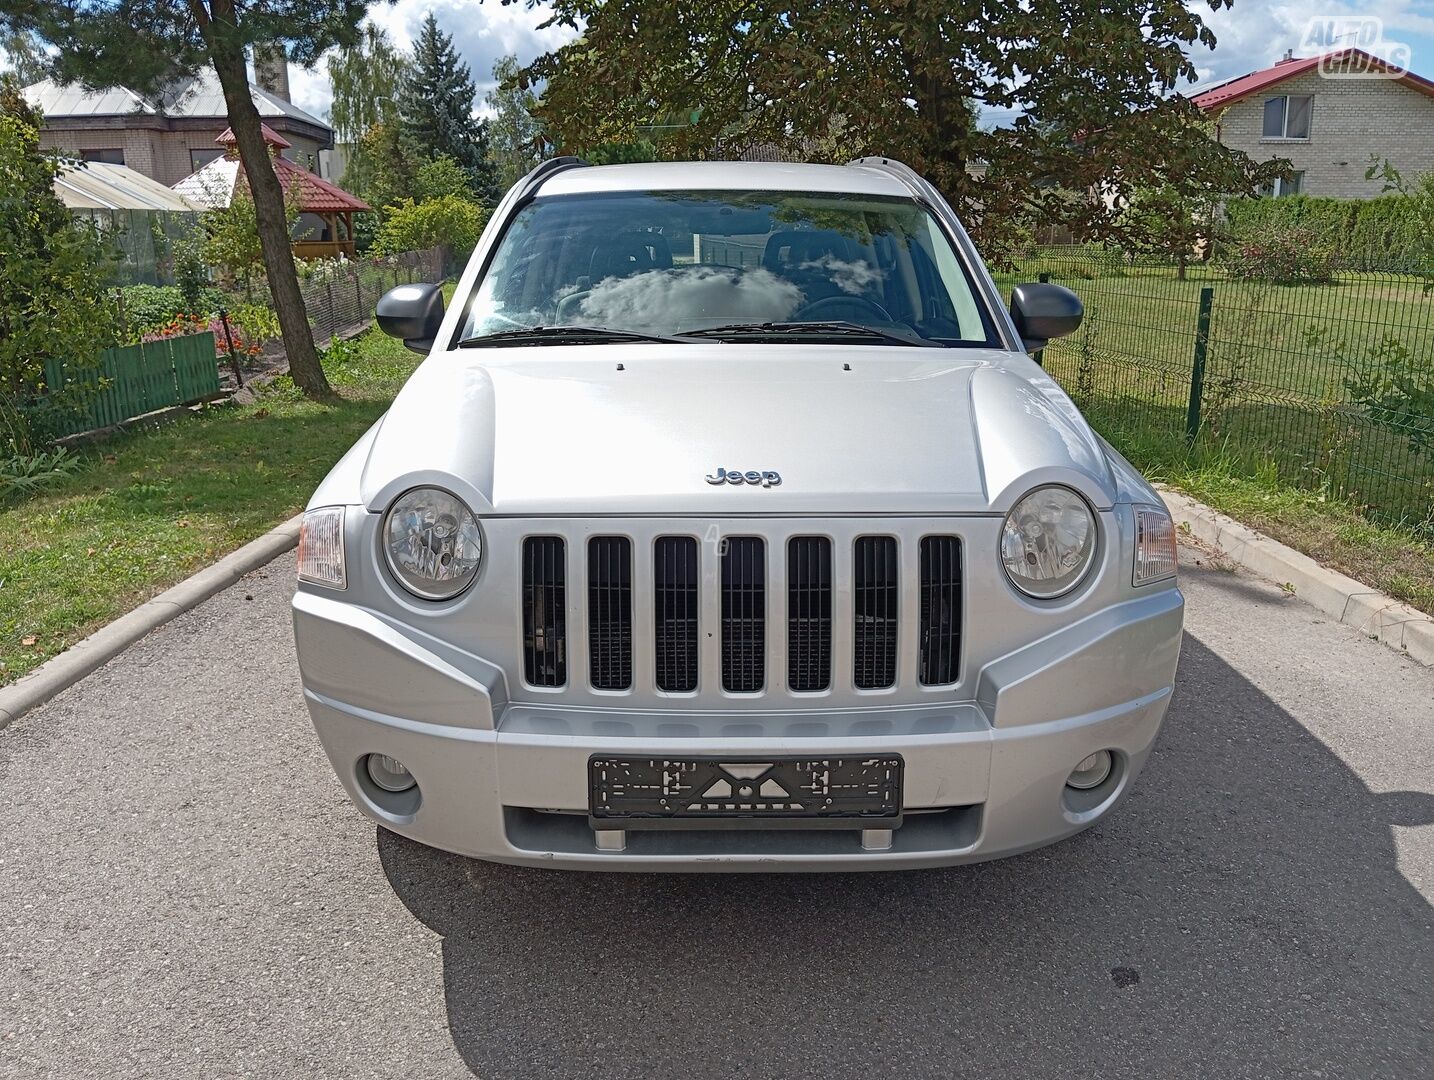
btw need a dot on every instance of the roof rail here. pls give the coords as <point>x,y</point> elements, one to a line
<point>913,180</point>
<point>542,171</point>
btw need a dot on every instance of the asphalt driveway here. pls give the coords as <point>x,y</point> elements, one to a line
<point>184,891</point>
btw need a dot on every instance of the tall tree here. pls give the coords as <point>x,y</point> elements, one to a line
<point>515,136</point>
<point>147,44</point>
<point>1092,83</point>
<point>436,106</point>
<point>366,78</point>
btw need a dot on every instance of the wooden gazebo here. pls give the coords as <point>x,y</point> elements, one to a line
<point>215,183</point>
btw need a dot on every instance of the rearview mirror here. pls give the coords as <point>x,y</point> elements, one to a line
<point>413,313</point>
<point>1042,311</point>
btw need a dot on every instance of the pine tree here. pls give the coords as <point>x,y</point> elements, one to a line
<point>436,107</point>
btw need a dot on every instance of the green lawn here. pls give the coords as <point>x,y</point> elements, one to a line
<point>153,506</point>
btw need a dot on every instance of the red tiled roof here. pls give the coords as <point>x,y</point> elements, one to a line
<point>1227,93</point>
<point>272,137</point>
<point>316,194</point>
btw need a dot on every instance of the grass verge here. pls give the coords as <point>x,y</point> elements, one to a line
<point>1390,558</point>
<point>152,506</point>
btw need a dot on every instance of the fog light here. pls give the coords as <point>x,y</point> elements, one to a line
<point>1091,771</point>
<point>389,773</point>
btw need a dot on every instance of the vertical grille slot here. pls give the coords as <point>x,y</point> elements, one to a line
<point>545,660</point>
<point>875,581</point>
<point>809,613</point>
<point>610,612</point>
<point>674,583</point>
<point>940,609</point>
<point>744,614</point>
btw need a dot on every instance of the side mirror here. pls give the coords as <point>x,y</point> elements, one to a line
<point>413,313</point>
<point>1042,311</point>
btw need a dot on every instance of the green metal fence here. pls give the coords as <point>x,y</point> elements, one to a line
<point>130,381</point>
<point>1330,385</point>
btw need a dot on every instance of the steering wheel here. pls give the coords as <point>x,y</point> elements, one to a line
<point>838,308</point>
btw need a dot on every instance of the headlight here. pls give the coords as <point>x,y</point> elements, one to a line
<point>1048,542</point>
<point>1154,545</point>
<point>432,543</point>
<point>321,547</point>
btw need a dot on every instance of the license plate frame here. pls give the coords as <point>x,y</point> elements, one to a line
<point>836,791</point>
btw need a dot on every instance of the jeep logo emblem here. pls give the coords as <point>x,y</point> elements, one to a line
<point>766,478</point>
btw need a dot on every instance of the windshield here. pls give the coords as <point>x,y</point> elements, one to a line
<point>672,262</point>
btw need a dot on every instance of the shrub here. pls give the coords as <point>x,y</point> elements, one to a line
<point>1395,387</point>
<point>1383,233</point>
<point>441,176</point>
<point>191,276</point>
<point>1282,255</point>
<point>257,323</point>
<point>53,304</point>
<point>451,222</point>
<point>147,308</point>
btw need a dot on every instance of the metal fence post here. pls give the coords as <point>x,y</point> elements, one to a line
<point>1039,356</point>
<point>229,344</point>
<point>1197,366</point>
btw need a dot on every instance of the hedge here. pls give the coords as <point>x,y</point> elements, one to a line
<point>1372,234</point>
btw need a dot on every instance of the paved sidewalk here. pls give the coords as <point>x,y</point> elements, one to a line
<point>184,891</point>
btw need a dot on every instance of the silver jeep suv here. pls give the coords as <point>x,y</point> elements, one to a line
<point>729,526</point>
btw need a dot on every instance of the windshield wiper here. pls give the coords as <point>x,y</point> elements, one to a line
<point>559,335</point>
<point>833,329</point>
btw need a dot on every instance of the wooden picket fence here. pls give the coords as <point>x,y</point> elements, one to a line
<point>132,380</point>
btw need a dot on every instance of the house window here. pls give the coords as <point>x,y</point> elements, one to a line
<point>1288,117</point>
<point>1293,186</point>
<point>108,157</point>
<point>200,158</point>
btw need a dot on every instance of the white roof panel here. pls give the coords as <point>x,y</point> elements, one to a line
<point>61,99</point>
<point>203,96</point>
<point>212,186</point>
<point>99,185</point>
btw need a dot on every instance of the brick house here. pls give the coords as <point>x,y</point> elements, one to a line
<point>171,135</point>
<point>1329,115</point>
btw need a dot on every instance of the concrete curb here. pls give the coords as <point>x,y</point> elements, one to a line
<point>1367,610</point>
<point>85,656</point>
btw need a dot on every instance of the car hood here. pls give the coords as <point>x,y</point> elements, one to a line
<point>637,429</point>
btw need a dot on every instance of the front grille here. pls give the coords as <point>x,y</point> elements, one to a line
<point>545,661</point>
<point>940,626</point>
<point>610,612</point>
<point>809,613</point>
<point>674,588</point>
<point>874,593</point>
<point>704,627</point>
<point>744,614</point>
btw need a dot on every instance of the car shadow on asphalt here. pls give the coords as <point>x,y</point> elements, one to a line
<point>1243,913</point>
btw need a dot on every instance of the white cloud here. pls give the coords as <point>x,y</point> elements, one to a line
<point>1256,33</point>
<point>690,296</point>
